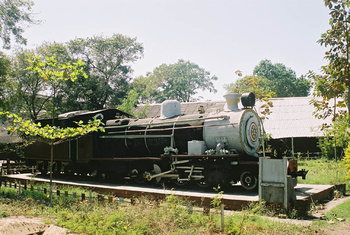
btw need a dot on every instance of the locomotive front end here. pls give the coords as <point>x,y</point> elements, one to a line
<point>239,132</point>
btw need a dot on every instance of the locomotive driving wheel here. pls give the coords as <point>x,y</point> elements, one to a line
<point>248,180</point>
<point>137,177</point>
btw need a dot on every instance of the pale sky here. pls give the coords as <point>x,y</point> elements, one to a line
<point>221,36</point>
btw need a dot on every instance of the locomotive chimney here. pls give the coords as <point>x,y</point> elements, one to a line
<point>231,101</point>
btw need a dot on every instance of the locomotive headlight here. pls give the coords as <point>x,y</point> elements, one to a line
<point>252,132</point>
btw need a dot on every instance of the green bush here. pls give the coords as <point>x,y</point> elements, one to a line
<point>336,135</point>
<point>346,161</point>
<point>323,171</point>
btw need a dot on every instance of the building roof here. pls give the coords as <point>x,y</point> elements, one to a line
<point>5,138</point>
<point>293,117</point>
<point>290,117</point>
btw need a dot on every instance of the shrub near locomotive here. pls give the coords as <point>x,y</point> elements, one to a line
<point>209,149</point>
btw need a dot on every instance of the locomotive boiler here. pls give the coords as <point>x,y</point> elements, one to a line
<point>209,149</point>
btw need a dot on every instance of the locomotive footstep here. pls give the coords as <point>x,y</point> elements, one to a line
<point>202,183</point>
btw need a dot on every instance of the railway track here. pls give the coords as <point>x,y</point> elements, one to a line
<point>234,200</point>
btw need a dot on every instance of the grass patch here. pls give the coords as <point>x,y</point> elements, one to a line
<point>323,171</point>
<point>170,216</point>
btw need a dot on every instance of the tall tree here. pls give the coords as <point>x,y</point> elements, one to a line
<point>147,87</point>
<point>108,65</point>
<point>50,70</point>
<point>334,80</point>
<point>5,66</point>
<point>30,86</point>
<point>180,81</point>
<point>67,93</point>
<point>283,80</point>
<point>14,15</point>
<point>260,86</point>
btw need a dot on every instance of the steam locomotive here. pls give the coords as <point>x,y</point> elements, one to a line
<point>209,149</point>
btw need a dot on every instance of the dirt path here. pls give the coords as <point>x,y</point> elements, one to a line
<point>23,225</point>
<point>342,228</point>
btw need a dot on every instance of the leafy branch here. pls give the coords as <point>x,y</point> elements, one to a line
<point>51,134</point>
<point>50,69</point>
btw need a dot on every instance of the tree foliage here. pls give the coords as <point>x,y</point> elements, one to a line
<point>5,68</point>
<point>271,80</point>
<point>346,160</point>
<point>337,136</point>
<point>51,71</point>
<point>129,103</point>
<point>147,87</point>
<point>107,61</point>
<point>39,81</point>
<point>108,65</point>
<point>260,86</point>
<point>180,81</point>
<point>334,80</point>
<point>30,87</point>
<point>68,93</point>
<point>50,134</point>
<point>5,65</point>
<point>283,80</point>
<point>14,15</point>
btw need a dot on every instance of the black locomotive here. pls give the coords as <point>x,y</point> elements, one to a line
<point>209,149</point>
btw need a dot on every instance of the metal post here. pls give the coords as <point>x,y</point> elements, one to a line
<point>285,197</point>
<point>335,140</point>
<point>263,145</point>
<point>222,206</point>
<point>260,178</point>
<point>51,163</point>
<point>77,150</point>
